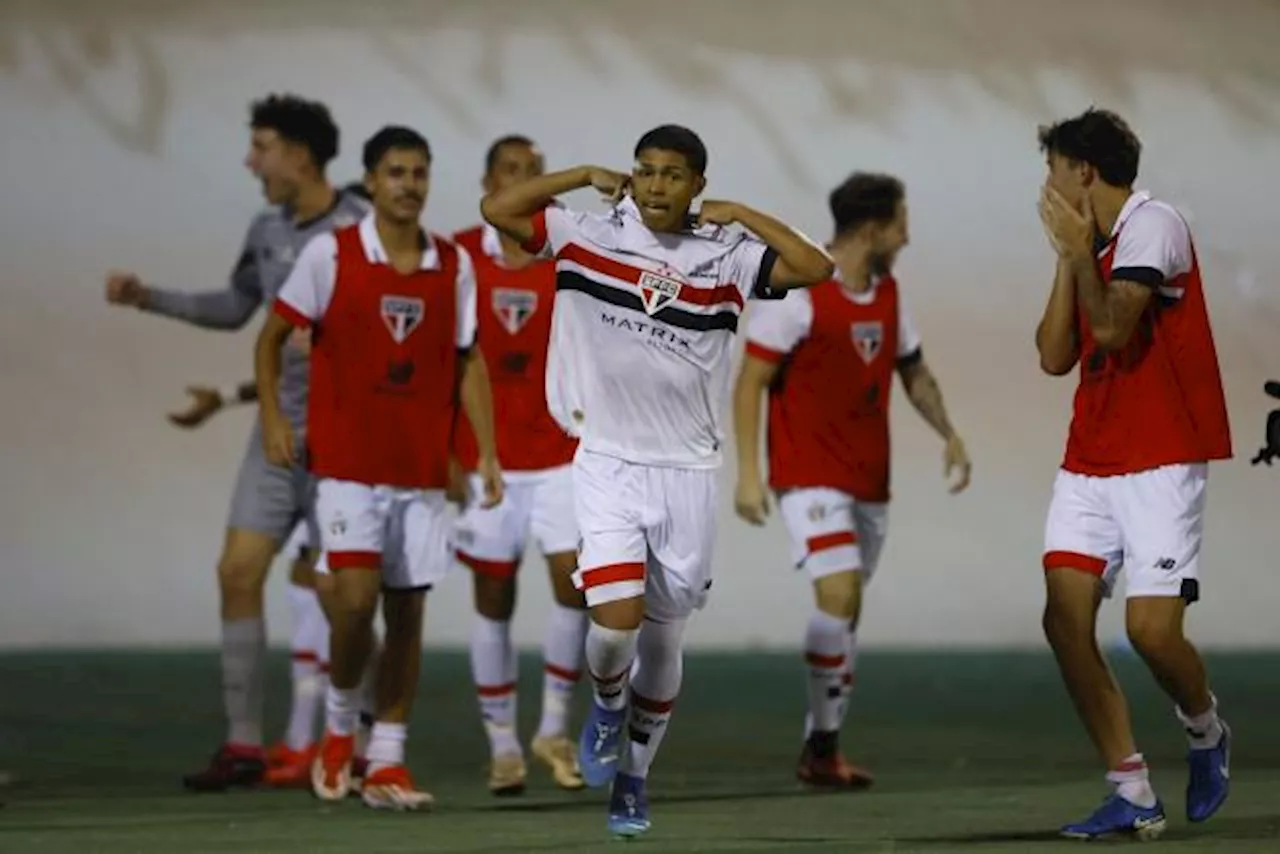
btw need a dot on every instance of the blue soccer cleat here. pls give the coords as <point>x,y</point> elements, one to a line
<point>1210,779</point>
<point>1118,817</point>
<point>599,745</point>
<point>628,807</point>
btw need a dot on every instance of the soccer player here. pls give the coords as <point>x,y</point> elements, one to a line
<point>1128,305</point>
<point>649,297</point>
<point>826,357</point>
<point>289,760</point>
<point>394,314</point>
<point>292,141</point>
<point>515,294</point>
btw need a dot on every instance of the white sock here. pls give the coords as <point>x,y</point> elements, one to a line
<point>342,710</point>
<point>308,687</point>
<point>386,746</point>
<point>493,668</point>
<point>562,662</point>
<point>826,645</point>
<point>849,675</point>
<point>610,653</point>
<point>244,644</point>
<point>1132,781</point>
<point>1204,731</point>
<point>655,683</point>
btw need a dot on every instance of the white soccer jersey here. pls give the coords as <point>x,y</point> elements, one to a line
<point>641,338</point>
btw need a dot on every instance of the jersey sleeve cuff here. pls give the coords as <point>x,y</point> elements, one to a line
<point>291,314</point>
<point>1149,276</point>
<point>761,289</point>
<point>765,354</point>
<point>537,242</point>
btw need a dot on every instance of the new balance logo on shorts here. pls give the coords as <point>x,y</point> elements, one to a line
<point>1168,564</point>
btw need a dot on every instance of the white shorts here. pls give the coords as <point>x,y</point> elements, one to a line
<point>492,540</point>
<point>646,531</point>
<point>403,531</point>
<point>299,541</point>
<point>832,532</point>
<point>1151,523</point>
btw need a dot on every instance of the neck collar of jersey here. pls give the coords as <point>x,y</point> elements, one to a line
<point>375,253</point>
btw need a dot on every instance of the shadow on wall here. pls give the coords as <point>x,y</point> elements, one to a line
<point>853,48</point>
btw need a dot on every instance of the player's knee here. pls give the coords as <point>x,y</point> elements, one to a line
<point>495,598</point>
<point>1065,624</point>
<point>402,612</point>
<point>839,594</point>
<point>623,615</point>
<point>241,575</point>
<point>354,604</point>
<point>1151,631</point>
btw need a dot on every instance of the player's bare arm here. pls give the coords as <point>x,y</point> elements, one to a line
<point>925,395</point>
<point>277,433</point>
<point>1057,338</point>
<point>511,210</point>
<point>1112,312</point>
<point>751,498</point>
<point>801,262</point>
<point>477,404</point>
<point>207,402</point>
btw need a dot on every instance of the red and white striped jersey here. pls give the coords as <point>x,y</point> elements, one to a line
<point>642,333</point>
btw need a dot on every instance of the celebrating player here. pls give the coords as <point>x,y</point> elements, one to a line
<point>289,760</point>
<point>394,311</point>
<point>648,300</point>
<point>1128,305</point>
<point>292,141</point>
<point>515,294</point>
<point>827,356</point>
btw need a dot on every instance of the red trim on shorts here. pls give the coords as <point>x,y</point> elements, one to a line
<point>501,569</point>
<point>819,660</point>
<point>653,707</point>
<point>496,690</point>
<point>764,353</point>
<point>826,542</point>
<point>354,560</point>
<point>561,673</point>
<point>611,574</point>
<point>290,314</point>
<point>305,655</point>
<point>1074,560</point>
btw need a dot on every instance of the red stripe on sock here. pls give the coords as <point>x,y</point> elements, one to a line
<point>562,673</point>
<point>653,707</point>
<point>820,660</point>
<point>610,680</point>
<point>496,690</point>
<point>1130,767</point>
<point>305,655</point>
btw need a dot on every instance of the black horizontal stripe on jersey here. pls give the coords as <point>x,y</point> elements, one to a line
<point>571,280</point>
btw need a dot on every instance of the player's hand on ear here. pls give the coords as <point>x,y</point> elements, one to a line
<point>612,185</point>
<point>715,212</point>
<point>751,501</point>
<point>955,457</point>
<point>205,403</point>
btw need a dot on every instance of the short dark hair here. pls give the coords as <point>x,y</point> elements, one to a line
<point>679,139</point>
<point>865,197</point>
<point>393,137</point>
<point>297,120</point>
<point>1097,137</point>
<point>495,148</point>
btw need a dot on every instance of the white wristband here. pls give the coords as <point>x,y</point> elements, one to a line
<point>230,396</point>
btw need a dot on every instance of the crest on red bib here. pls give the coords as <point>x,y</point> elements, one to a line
<point>657,290</point>
<point>402,315</point>
<point>868,339</point>
<point>514,307</point>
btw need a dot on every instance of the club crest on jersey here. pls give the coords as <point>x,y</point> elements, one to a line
<point>514,307</point>
<point>657,291</point>
<point>868,338</point>
<point>402,315</point>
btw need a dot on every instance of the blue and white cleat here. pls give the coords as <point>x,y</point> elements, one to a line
<point>1118,817</point>
<point>1210,780</point>
<point>628,807</point>
<point>600,744</point>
